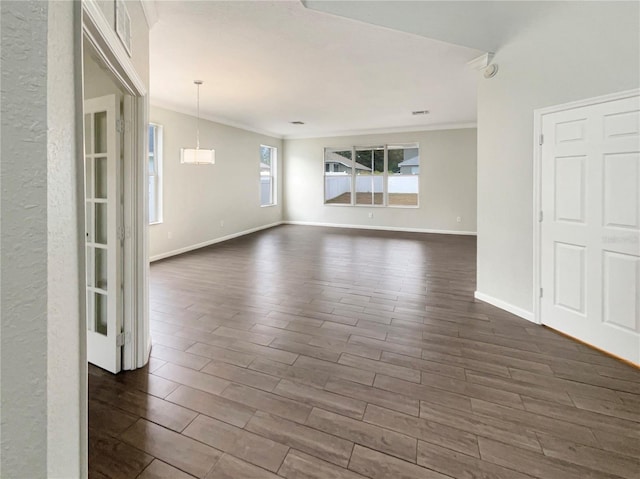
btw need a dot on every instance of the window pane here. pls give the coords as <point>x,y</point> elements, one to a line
<point>155,171</point>
<point>265,156</point>
<point>100,190</point>
<point>153,208</point>
<point>338,167</point>
<point>404,174</point>
<point>267,175</point>
<point>100,234</point>
<point>370,176</point>
<point>265,190</point>
<point>100,138</point>
<point>152,137</point>
<point>100,266</point>
<point>100,301</point>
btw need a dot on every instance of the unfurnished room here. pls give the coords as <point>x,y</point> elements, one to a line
<point>311,239</point>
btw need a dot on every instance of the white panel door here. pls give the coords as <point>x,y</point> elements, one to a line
<point>103,239</point>
<point>590,233</point>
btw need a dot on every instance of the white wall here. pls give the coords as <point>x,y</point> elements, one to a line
<point>139,33</point>
<point>98,81</point>
<point>586,49</point>
<point>23,239</point>
<point>198,197</point>
<point>447,182</point>
<point>66,356</point>
<point>42,382</point>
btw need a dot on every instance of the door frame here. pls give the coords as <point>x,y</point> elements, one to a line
<point>101,37</point>
<point>538,116</point>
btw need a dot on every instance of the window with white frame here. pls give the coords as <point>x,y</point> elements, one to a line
<point>155,173</point>
<point>386,175</point>
<point>268,164</point>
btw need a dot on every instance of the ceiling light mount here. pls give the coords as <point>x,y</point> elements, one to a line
<point>196,155</point>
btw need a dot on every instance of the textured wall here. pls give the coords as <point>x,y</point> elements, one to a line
<point>66,400</point>
<point>23,239</point>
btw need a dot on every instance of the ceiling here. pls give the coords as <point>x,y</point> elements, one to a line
<point>265,64</point>
<point>486,25</point>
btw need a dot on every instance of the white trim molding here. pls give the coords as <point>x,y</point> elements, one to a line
<point>510,308</point>
<point>108,45</point>
<point>214,119</point>
<point>537,179</point>
<point>381,228</point>
<point>303,136</point>
<point>186,249</point>
<point>481,62</point>
<point>150,11</point>
<point>383,131</point>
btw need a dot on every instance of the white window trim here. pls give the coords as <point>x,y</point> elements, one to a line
<point>273,176</point>
<point>385,181</point>
<point>159,160</point>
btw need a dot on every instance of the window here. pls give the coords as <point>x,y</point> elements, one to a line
<point>268,160</point>
<point>385,175</point>
<point>155,173</point>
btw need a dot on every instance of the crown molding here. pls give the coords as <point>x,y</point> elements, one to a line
<point>329,134</point>
<point>481,62</point>
<point>382,131</point>
<point>150,11</point>
<point>215,119</point>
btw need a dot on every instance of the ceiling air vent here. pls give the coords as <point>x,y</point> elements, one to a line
<point>297,122</point>
<point>420,112</point>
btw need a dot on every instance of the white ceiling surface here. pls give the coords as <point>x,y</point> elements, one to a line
<point>265,64</point>
<point>477,24</point>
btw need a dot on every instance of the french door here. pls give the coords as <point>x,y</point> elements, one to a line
<point>590,230</point>
<point>103,209</point>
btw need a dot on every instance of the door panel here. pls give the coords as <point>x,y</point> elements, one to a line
<point>103,248</point>
<point>590,236</point>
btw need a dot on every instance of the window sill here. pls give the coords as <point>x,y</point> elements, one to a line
<point>156,223</point>
<point>410,207</point>
<point>269,206</point>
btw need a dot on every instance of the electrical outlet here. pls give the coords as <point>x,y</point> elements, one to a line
<point>221,223</point>
<point>169,235</point>
<point>371,215</point>
<point>458,219</point>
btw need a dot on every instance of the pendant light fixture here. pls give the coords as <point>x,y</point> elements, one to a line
<point>197,155</point>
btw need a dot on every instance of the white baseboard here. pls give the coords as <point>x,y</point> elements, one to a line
<point>381,228</point>
<point>498,303</point>
<point>175,252</point>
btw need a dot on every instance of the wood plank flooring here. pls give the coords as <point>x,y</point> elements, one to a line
<point>305,352</point>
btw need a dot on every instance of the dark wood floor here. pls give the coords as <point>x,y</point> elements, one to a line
<point>304,352</point>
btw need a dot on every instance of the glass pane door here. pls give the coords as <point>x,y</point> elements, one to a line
<point>102,240</point>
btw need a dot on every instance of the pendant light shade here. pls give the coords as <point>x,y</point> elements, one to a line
<point>197,155</point>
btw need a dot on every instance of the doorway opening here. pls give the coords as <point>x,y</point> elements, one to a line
<point>116,263</point>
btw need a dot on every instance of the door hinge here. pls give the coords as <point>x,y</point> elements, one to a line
<point>122,339</point>
<point>540,216</point>
<point>121,233</point>
<point>120,126</point>
<point>541,140</point>
<point>541,292</point>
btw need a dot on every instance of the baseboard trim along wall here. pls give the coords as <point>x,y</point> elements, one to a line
<point>381,228</point>
<point>498,303</point>
<point>186,249</point>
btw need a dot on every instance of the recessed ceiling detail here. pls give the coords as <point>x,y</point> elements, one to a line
<point>268,61</point>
